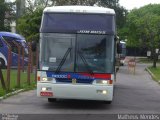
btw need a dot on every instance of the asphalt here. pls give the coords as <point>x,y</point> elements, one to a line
<point>134,94</point>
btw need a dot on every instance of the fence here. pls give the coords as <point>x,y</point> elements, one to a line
<point>20,71</point>
<point>136,51</point>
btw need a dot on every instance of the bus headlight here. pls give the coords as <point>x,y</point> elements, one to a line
<point>46,89</point>
<point>44,79</point>
<point>103,82</point>
<point>102,91</point>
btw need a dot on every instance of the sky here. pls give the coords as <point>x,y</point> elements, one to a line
<point>130,4</point>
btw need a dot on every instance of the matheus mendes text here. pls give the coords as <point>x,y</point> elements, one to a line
<point>138,117</point>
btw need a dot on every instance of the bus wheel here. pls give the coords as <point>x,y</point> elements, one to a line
<point>2,63</point>
<point>52,99</point>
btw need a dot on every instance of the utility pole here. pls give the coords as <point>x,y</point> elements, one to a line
<point>20,5</point>
<point>2,14</point>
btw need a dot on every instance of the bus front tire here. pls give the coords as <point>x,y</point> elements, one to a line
<point>2,63</point>
<point>52,99</point>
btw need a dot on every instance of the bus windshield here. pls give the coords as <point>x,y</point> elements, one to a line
<point>98,51</point>
<point>82,52</point>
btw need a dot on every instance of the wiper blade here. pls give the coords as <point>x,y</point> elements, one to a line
<point>85,62</point>
<point>63,60</point>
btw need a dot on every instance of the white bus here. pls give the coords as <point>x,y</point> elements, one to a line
<point>123,53</point>
<point>77,53</point>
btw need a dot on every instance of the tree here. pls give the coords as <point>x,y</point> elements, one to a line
<point>108,3</point>
<point>7,15</point>
<point>42,3</point>
<point>29,24</point>
<point>144,28</point>
<point>151,33</point>
<point>2,14</point>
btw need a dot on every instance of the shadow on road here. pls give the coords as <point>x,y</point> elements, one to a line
<point>78,104</point>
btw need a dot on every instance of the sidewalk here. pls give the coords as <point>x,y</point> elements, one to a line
<point>137,60</point>
<point>137,92</point>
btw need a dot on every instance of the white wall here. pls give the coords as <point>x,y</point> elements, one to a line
<point>13,27</point>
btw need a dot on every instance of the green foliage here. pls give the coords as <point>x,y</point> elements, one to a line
<point>2,14</point>
<point>13,82</point>
<point>6,15</point>
<point>108,3</point>
<point>155,72</point>
<point>29,24</point>
<point>120,16</point>
<point>144,27</point>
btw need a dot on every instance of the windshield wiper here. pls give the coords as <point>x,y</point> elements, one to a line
<point>63,60</point>
<point>85,62</point>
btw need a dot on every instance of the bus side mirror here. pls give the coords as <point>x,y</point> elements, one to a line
<point>116,38</point>
<point>119,48</point>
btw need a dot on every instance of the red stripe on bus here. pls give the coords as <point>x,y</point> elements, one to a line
<point>98,75</point>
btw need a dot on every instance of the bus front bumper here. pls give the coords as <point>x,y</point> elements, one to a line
<point>75,91</point>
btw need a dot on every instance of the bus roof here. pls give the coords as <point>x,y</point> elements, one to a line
<point>9,34</point>
<point>79,9</point>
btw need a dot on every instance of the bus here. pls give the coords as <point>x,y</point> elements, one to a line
<point>123,53</point>
<point>8,38</point>
<point>77,53</point>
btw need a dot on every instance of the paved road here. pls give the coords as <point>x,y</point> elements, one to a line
<point>133,94</point>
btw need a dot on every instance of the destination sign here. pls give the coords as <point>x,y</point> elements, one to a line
<point>91,32</point>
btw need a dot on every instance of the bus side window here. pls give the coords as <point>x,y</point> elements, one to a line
<point>10,40</point>
<point>7,38</point>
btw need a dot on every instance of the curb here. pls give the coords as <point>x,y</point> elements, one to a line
<point>152,75</point>
<point>11,93</point>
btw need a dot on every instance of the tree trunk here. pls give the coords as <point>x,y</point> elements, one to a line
<point>2,15</point>
<point>155,60</point>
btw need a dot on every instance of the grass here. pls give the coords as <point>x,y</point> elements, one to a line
<point>13,81</point>
<point>155,72</point>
